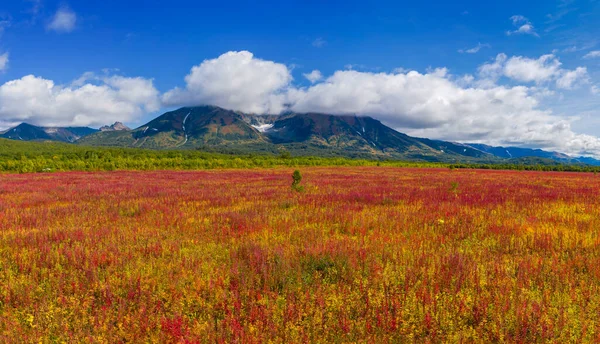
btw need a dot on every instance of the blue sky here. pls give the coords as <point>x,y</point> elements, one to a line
<point>542,58</point>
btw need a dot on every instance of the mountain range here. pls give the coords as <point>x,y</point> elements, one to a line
<point>28,132</point>
<point>213,128</point>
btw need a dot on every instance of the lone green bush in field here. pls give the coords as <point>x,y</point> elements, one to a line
<point>296,179</point>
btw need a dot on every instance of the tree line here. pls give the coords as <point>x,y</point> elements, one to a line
<point>26,157</point>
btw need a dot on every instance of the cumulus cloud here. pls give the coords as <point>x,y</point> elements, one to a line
<point>475,49</point>
<point>545,69</point>
<point>491,72</point>
<point>569,78</point>
<point>235,80</point>
<point>532,70</point>
<point>64,20</point>
<point>313,76</point>
<point>523,26</point>
<point>592,54</point>
<point>434,105</point>
<point>104,100</point>
<point>3,62</point>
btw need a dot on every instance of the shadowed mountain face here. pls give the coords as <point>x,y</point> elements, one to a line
<point>201,124</point>
<point>359,133</point>
<point>184,128</point>
<point>28,132</point>
<point>305,134</point>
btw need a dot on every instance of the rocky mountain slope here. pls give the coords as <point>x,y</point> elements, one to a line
<point>305,134</point>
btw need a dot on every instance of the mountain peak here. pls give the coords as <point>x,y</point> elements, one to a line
<point>117,126</point>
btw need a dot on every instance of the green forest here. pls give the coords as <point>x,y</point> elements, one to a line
<point>27,157</point>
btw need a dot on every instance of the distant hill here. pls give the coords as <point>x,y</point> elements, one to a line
<point>518,152</point>
<point>588,161</point>
<point>28,132</point>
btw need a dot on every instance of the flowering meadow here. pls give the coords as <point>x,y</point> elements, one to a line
<point>361,254</point>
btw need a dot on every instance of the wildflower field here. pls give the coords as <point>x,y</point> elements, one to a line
<point>361,254</point>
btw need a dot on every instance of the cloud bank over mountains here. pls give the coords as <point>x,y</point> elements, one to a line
<point>500,104</point>
<point>433,104</point>
<point>235,80</point>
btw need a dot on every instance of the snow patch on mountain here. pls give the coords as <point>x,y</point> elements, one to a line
<point>263,128</point>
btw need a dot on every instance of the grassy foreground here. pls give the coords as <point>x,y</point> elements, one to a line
<point>361,255</point>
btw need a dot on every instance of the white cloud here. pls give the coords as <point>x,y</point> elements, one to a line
<point>592,54</point>
<point>595,90</point>
<point>313,76</point>
<point>532,70</point>
<point>40,101</point>
<point>474,49</point>
<point>433,105</point>
<point>489,73</point>
<point>526,29</point>
<point>412,100</point>
<point>523,25</point>
<point>64,20</point>
<point>569,78</point>
<point>319,42</point>
<point>83,79</point>
<point>235,80</point>
<point>3,62</point>
<point>138,91</point>
<point>545,69</point>
<point>466,80</point>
